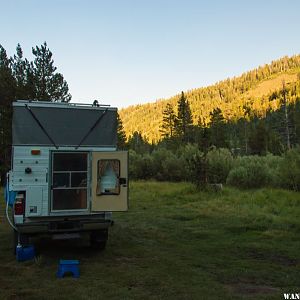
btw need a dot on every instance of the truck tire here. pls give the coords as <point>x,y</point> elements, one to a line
<point>98,239</point>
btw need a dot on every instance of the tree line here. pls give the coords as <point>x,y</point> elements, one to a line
<point>249,151</point>
<point>275,132</point>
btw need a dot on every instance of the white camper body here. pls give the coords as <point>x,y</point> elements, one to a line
<point>66,170</point>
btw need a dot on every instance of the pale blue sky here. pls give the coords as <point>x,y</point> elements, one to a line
<point>128,52</point>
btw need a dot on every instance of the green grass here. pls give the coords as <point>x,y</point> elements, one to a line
<point>174,243</point>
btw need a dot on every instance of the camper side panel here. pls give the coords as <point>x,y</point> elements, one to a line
<point>30,174</point>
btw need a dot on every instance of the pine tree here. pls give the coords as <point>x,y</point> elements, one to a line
<point>247,115</point>
<point>7,95</point>
<point>168,124</point>
<point>184,119</point>
<point>217,128</point>
<point>258,138</point>
<point>139,144</point>
<point>286,117</point>
<point>202,136</point>
<point>19,67</point>
<point>121,135</point>
<point>49,85</point>
<point>23,73</point>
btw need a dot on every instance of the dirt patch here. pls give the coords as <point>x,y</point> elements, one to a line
<point>248,289</point>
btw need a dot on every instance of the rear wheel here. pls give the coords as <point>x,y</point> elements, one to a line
<point>98,239</point>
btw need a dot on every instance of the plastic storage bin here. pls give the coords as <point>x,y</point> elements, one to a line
<point>24,253</point>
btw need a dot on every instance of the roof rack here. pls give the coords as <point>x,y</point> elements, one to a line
<point>70,104</point>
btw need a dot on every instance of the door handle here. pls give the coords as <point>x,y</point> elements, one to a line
<point>122,180</point>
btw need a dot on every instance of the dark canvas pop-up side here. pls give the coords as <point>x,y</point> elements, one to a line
<point>66,125</point>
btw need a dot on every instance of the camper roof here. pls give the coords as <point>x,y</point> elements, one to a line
<point>61,104</point>
<point>64,124</point>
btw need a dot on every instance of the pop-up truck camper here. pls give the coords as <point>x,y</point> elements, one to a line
<point>67,176</point>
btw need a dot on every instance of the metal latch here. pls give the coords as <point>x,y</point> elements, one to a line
<point>123,180</point>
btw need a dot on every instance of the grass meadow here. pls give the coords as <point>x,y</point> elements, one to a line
<point>173,243</point>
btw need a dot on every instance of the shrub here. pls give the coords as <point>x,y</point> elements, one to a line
<point>238,177</point>
<point>160,155</point>
<point>146,167</point>
<point>250,172</point>
<point>197,165</point>
<point>174,168</point>
<point>189,155</point>
<point>220,162</point>
<point>290,170</point>
<point>134,159</point>
<point>140,166</point>
<point>167,166</point>
<point>273,163</point>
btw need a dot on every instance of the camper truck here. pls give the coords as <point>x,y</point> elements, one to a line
<point>66,174</point>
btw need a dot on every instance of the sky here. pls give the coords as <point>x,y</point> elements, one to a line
<point>135,51</point>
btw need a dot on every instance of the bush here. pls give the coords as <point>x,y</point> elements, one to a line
<point>167,166</point>
<point>189,155</point>
<point>160,155</point>
<point>273,163</point>
<point>146,167</point>
<point>140,166</point>
<point>197,165</point>
<point>238,177</point>
<point>290,170</point>
<point>250,172</point>
<point>218,166</point>
<point>220,162</point>
<point>133,164</point>
<point>174,168</point>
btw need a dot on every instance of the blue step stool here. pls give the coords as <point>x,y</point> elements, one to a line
<point>68,266</point>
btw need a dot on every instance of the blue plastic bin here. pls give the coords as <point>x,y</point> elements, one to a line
<point>24,253</point>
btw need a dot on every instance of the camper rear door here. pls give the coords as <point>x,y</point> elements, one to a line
<point>109,181</point>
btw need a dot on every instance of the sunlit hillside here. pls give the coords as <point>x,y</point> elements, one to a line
<point>254,89</point>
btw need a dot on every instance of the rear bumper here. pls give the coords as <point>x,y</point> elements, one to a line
<point>63,225</point>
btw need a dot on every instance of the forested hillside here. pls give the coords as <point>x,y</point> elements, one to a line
<point>257,91</point>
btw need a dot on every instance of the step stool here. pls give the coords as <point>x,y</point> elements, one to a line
<point>68,266</point>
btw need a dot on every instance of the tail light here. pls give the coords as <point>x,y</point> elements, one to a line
<point>20,204</point>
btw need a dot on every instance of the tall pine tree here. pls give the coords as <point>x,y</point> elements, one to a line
<point>184,119</point>
<point>217,129</point>
<point>23,73</point>
<point>121,135</point>
<point>258,137</point>
<point>49,85</point>
<point>167,128</point>
<point>7,95</point>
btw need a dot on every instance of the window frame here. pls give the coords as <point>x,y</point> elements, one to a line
<point>78,188</point>
<point>98,190</point>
